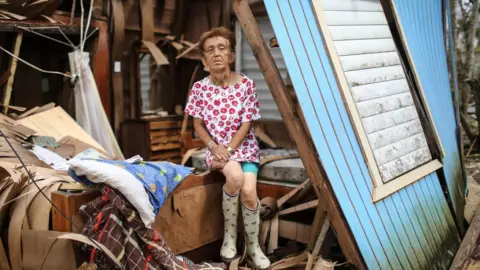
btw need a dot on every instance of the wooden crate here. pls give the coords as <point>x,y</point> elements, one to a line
<point>156,139</point>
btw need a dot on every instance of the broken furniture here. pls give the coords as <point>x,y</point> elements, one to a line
<point>190,218</point>
<point>153,139</point>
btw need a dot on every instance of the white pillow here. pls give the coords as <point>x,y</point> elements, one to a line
<point>118,178</point>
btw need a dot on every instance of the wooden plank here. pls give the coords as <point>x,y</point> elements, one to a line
<point>373,91</point>
<point>294,231</point>
<point>398,149</point>
<point>394,134</point>
<point>318,220</point>
<point>154,125</point>
<point>350,32</point>
<point>117,59</point>
<point>389,119</point>
<point>355,18</point>
<point>343,5</point>
<point>300,207</point>
<point>374,75</point>
<point>164,139</point>
<point>297,131</point>
<point>165,146</point>
<point>384,104</point>
<point>321,237</point>
<point>161,133</point>
<point>367,61</point>
<point>405,163</point>
<point>352,47</point>
<point>165,155</point>
<point>12,68</point>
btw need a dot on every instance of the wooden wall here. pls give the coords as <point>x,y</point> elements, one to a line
<point>422,25</point>
<point>411,229</point>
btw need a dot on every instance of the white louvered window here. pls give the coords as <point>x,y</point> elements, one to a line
<point>387,109</point>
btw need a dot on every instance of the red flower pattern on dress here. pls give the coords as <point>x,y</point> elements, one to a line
<point>223,110</point>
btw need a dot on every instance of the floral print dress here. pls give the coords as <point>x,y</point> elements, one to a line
<point>223,109</point>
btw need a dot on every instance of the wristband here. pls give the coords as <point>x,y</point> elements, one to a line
<point>230,149</point>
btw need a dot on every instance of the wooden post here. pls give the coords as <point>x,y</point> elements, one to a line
<point>13,67</point>
<point>298,131</point>
<point>462,259</point>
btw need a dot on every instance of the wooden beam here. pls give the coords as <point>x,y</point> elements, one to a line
<point>13,67</point>
<point>117,57</point>
<point>298,131</point>
<point>321,237</point>
<point>462,259</point>
<point>318,220</point>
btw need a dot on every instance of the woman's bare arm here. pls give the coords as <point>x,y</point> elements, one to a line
<point>219,152</point>
<point>201,130</point>
<point>240,135</point>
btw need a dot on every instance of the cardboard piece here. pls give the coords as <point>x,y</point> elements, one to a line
<point>71,146</point>
<point>4,265</point>
<point>42,247</point>
<point>58,124</point>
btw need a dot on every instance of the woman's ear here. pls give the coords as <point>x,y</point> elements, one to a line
<point>204,62</point>
<point>232,57</point>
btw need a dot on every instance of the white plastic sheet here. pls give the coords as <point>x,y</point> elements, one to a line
<point>89,110</point>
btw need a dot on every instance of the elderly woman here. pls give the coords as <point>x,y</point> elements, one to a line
<point>224,105</point>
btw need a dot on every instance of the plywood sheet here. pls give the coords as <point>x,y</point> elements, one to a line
<point>58,124</point>
<point>191,218</point>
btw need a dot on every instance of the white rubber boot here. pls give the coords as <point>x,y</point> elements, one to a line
<point>251,221</point>
<point>228,252</point>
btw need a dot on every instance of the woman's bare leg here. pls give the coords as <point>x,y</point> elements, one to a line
<point>234,177</point>
<point>248,194</point>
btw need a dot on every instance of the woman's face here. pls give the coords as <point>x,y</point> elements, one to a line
<point>217,54</point>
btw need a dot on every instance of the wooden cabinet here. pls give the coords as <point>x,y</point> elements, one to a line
<point>156,139</point>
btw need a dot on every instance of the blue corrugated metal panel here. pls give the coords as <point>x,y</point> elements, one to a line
<point>423,28</point>
<point>412,229</point>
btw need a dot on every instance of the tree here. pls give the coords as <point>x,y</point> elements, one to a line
<point>464,30</point>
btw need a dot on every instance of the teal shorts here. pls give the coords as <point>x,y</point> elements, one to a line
<point>251,167</point>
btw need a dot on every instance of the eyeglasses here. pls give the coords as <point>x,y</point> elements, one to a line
<point>221,48</point>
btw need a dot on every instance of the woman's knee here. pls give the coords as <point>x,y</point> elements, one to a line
<point>249,196</point>
<point>234,178</point>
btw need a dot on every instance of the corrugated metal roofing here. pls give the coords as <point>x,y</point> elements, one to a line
<point>248,65</point>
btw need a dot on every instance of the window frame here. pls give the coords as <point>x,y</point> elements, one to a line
<point>381,190</point>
